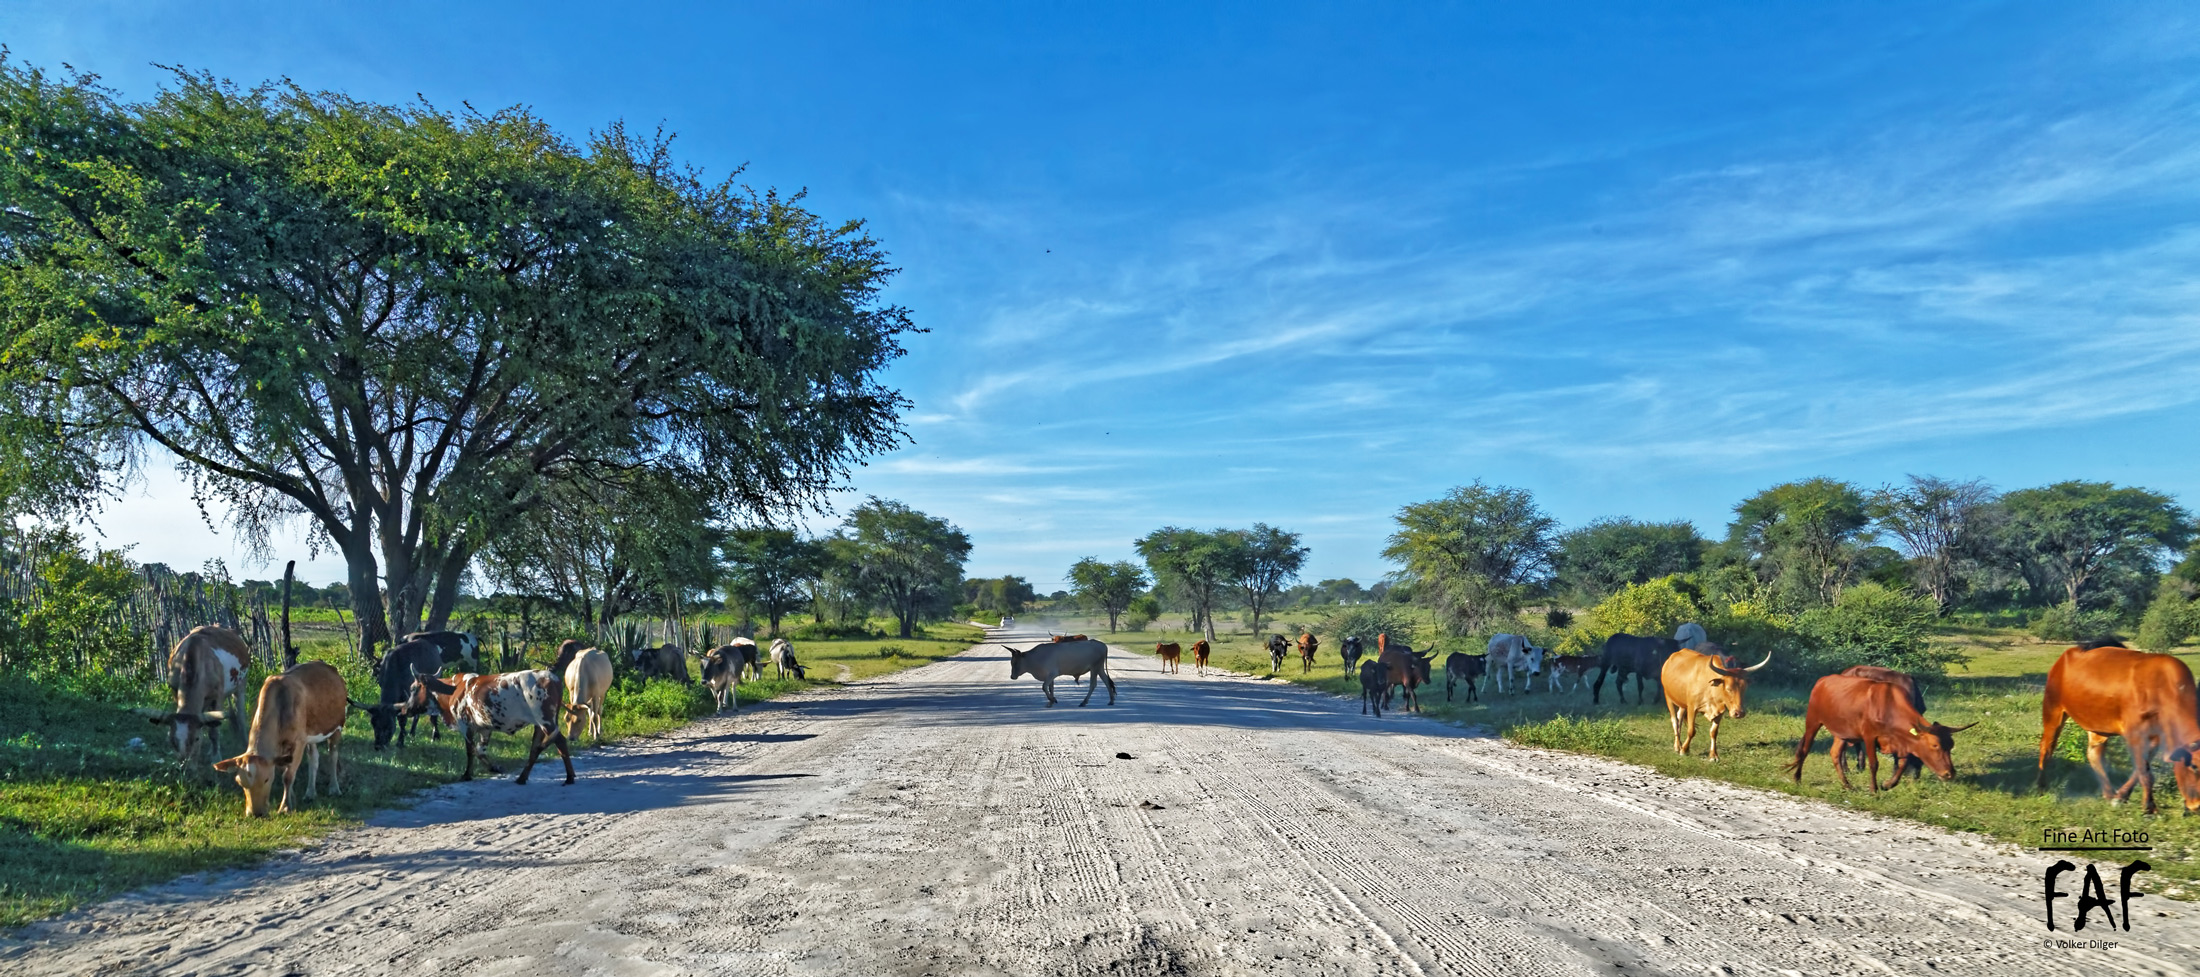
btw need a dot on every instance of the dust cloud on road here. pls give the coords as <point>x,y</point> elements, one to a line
<point>942,821</point>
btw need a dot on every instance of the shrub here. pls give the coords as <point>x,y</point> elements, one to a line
<point>1652,608</point>
<point>660,699</point>
<point>2066,623</point>
<point>1367,621</point>
<point>2170,619</point>
<point>1141,612</point>
<point>828,631</point>
<point>894,651</point>
<point>1578,734</point>
<point>1873,625</point>
<point>1558,619</point>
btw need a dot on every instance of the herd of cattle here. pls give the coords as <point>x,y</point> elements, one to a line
<point>2104,688</point>
<point>301,711</point>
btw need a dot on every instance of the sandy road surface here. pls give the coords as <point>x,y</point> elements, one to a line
<point>942,822</point>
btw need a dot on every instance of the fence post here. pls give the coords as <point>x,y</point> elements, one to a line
<point>290,651</point>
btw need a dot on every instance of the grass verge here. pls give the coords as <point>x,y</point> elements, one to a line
<point>84,814</point>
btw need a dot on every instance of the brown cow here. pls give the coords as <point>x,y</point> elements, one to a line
<point>1308,646</point>
<point>2145,698</point>
<point>1404,669</point>
<point>1199,656</point>
<point>1875,716</point>
<point>204,669</point>
<point>1704,683</point>
<point>296,712</point>
<point>1172,655</point>
<point>1070,637</point>
<point>1903,682</point>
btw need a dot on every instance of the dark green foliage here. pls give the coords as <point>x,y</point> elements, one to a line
<point>1873,625</point>
<point>1803,538</point>
<point>911,560</point>
<point>2086,543</point>
<point>1367,621</point>
<point>1472,555</point>
<point>770,570</point>
<point>1109,587</point>
<point>1607,554</point>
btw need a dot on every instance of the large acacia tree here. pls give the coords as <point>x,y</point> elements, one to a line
<point>1473,554</point>
<point>912,560</point>
<point>402,324</point>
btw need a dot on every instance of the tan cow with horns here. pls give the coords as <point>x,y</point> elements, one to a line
<point>1704,683</point>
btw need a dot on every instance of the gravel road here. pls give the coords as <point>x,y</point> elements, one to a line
<point>941,821</point>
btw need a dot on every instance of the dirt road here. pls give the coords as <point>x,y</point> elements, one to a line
<point>943,822</point>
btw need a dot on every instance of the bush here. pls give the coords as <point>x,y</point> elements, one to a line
<point>1141,612</point>
<point>1652,608</point>
<point>1558,619</point>
<point>660,699</point>
<point>1367,621</point>
<point>829,631</point>
<point>2066,623</point>
<point>1872,625</point>
<point>2170,619</point>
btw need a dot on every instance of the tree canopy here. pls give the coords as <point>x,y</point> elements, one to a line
<point>1107,587</point>
<point>1607,554</point>
<point>1473,554</point>
<point>1197,565</point>
<point>404,325</point>
<point>913,561</point>
<point>1809,532</point>
<point>2071,533</point>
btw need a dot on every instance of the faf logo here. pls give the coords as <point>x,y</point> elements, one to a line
<point>2093,895</point>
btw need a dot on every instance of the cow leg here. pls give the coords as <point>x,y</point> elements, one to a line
<point>2052,717</point>
<point>1110,679</point>
<point>1714,754</point>
<point>1839,754</point>
<point>2095,743</point>
<point>1871,761</point>
<point>1092,682</point>
<point>335,765</point>
<point>1802,749</point>
<point>534,749</point>
<point>1048,687</point>
<point>1674,715</point>
<point>466,738</point>
<point>557,739</point>
<point>1901,766</point>
<point>1596,692</point>
<point>2142,769</point>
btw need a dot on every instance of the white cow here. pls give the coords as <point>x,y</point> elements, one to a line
<point>1509,653</point>
<point>783,659</point>
<point>1691,635</point>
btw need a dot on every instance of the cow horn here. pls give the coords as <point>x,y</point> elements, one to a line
<point>1767,661</point>
<point>1958,729</point>
<point>213,716</point>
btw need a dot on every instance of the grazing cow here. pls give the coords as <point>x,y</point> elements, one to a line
<point>1901,680</point>
<point>587,674</point>
<point>1464,669</point>
<point>1055,659</point>
<point>1575,667</point>
<point>1704,682</point>
<point>752,657</point>
<point>1691,635</point>
<point>1407,670</point>
<point>1276,648</point>
<point>458,647</point>
<point>1308,647</point>
<point>1630,654</point>
<point>1875,716</point>
<point>1374,687</point>
<point>296,712</point>
<point>1172,655</point>
<point>1351,649</point>
<point>389,716</point>
<point>1199,656</point>
<point>204,669</point>
<point>783,660</point>
<point>507,703</point>
<point>1509,653</point>
<point>2147,699</point>
<point>722,674</point>
<point>664,661</point>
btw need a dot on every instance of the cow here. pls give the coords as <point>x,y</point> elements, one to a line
<point>1200,649</point>
<point>663,661</point>
<point>204,669</point>
<point>1873,715</point>
<point>752,657</point>
<point>1406,669</point>
<point>458,647</point>
<point>1172,656</point>
<point>1509,653</point>
<point>587,673</point>
<point>1575,667</point>
<point>1464,669</point>
<point>783,660</point>
<point>1901,680</point>
<point>1055,659</point>
<point>1351,650</point>
<point>1277,646</point>
<point>508,702</point>
<point>389,716</point>
<point>2145,698</point>
<point>1690,635</point>
<point>721,674</point>
<point>1374,687</point>
<point>1704,682</point>
<point>1309,646</point>
<point>1631,654</point>
<point>1068,637</point>
<point>296,712</point>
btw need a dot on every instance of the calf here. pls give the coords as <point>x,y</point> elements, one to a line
<point>1374,687</point>
<point>1509,653</point>
<point>1308,646</point>
<point>1054,659</point>
<point>1873,715</point>
<point>783,659</point>
<point>1172,655</point>
<point>1351,650</point>
<point>296,712</point>
<point>1199,656</point>
<point>587,674</point>
<point>507,703</point>
<point>389,715</point>
<point>1902,681</point>
<point>1277,646</point>
<point>204,669</point>
<point>1464,669</point>
<point>1575,667</point>
<point>722,674</point>
<point>1704,683</point>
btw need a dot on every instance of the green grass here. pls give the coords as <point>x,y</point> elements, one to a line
<point>83,815</point>
<point>1996,762</point>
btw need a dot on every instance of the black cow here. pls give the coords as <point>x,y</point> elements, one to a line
<point>663,661</point>
<point>1374,687</point>
<point>457,647</point>
<point>1630,654</point>
<point>1351,649</point>
<point>1277,648</point>
<point>395,676</point>
<point>1468,669</point>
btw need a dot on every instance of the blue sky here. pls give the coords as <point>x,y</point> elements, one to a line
<point>1305,264</point>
